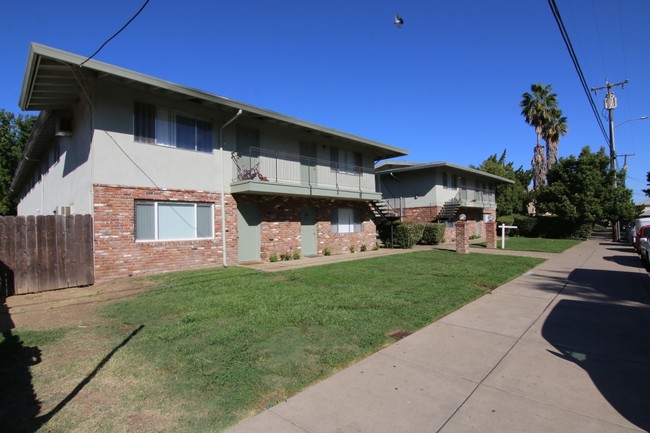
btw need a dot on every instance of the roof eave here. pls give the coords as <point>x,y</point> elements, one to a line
<point>37,51</point>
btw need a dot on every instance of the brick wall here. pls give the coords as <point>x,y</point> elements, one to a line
<point>425,214</point>
<point>117,254</point>
<point>280,226</point>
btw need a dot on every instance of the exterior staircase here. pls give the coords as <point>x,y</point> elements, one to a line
<point>449,210</point>
<point>382,211</point>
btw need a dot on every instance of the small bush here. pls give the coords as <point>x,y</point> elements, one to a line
<point>296,255</point>
<point>474,236</point>
<point>583,231</point>
<point>433,234</point>
<point>405,235</point>
<point>286,256</point>
<point>364,248</point>
<point>353,248</point>
<point>327,251</point>
<point>376,246</point>
<point>273,257</point>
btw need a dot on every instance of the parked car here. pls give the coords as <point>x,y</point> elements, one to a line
<point>644,248</point>
<point>638,223</point>
<point>643,233</point>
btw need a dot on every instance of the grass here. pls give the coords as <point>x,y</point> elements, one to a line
<point>220,345</point>
<point>518,243</point>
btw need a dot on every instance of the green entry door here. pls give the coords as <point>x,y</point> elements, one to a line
<point>308,236</point>
<point>248,226</point>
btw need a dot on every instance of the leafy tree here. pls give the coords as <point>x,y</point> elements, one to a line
<point>511,198</point>
<point>581,191</point>
<point>647,178</point>
<point>552,131</point>
<point>14,132</point>
<point>538,108</point>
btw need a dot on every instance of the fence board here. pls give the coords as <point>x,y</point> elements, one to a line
<point>59,237</point>
<point>7,255</point>
<point>46,252</point>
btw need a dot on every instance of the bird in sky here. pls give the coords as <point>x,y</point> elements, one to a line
<point>398,21</point>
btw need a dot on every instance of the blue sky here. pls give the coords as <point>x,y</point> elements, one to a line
<point>446,86</point>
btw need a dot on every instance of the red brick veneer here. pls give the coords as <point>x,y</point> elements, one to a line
<point>117,254</point>
<point>280,226</point>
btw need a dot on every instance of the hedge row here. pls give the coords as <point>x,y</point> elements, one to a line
<point>405,235</point>
<point>544,226</point>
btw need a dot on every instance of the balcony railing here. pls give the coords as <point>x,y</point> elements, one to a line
<point>261,165</point>
<point>470,195</point>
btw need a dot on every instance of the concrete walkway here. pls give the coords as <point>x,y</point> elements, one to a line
<point>563,348</point>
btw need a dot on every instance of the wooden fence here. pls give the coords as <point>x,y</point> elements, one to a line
<point>45,252</point>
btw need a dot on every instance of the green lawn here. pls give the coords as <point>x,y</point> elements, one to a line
<point>518,243</point>
<point>220,345</point>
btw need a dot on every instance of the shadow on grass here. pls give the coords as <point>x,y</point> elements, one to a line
<point>18,402</point>
<point>19,405</point>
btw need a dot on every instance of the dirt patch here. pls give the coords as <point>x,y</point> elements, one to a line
<point>67,307</point>
<point>398,334</point>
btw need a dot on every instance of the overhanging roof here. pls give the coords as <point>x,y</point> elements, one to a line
<point>402,166</point>
<point>52,77</point>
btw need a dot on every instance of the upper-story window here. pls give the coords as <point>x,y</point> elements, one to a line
<point>169,128</point>
<point>345,161</point>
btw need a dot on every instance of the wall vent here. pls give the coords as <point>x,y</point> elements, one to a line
<point>63,210</point>
<point>63,127</point>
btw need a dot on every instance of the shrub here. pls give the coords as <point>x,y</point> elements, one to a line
<point>583,231</point>
<point>296,255</point>
<point>364,248</point>
<point>526,225</point>
<point>352,248</point>
<point>433,234</point>
<point>327,251</point>
<point>286,256</point>
<point>376,246</point>
<point>273,257</point>
<point>405,235</point>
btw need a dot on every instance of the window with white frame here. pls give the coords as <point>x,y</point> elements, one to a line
<point>156,125</point>
<point>166,220</point>
<point>346,220</point>
<point>345,161</point>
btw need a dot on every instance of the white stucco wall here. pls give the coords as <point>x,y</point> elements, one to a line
<point>66,182</point>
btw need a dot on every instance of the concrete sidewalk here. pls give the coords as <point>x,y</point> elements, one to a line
<point>563,348</point>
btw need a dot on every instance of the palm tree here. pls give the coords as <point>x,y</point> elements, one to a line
<point>551,133</point>
<point>537,108</point>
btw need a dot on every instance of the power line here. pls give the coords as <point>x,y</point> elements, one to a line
<point>576,64</point>
<point>117,33</point>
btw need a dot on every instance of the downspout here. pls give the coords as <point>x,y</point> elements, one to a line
<point>223,188</point>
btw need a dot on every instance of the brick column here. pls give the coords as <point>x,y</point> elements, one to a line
<point>491,234</point>
<point>462,237</point>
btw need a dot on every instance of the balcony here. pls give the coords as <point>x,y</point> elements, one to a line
<point>260,171</point>
<point>476,197</point>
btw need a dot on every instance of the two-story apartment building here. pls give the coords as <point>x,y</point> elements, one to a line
<point>439,191</point>
<point>177,178</point>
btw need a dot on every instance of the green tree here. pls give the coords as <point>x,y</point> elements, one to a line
<point>647,178</point>
<point>511,198</point>
<point>538,108</point>
<point>14,132</point>
<point>581,191</point>
<point>556,127</point>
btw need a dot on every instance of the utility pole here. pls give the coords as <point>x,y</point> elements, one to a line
<point>610,105</point>
<point>625,155</point>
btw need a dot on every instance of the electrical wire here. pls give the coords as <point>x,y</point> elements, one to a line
<point>117,33</point>
<point>576,64</point>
